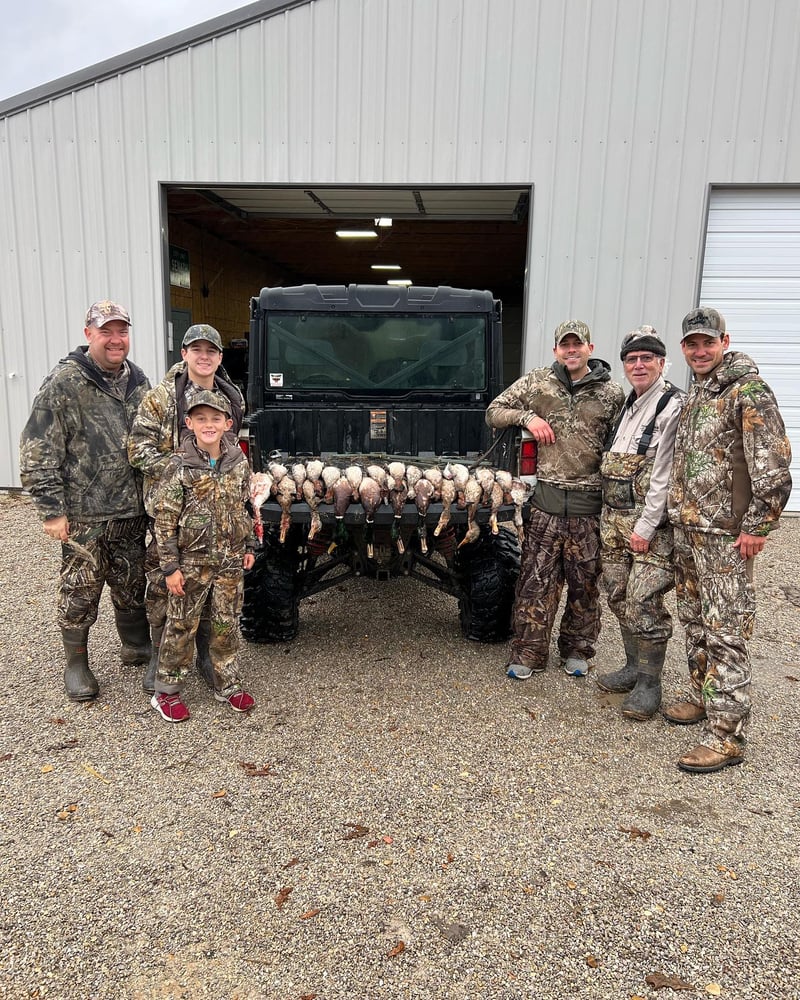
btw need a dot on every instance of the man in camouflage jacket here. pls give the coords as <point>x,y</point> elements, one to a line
<point>568,408</point>
<point>74,463</point>
<point>157,432</point>
<point>729,485</point>
<point>634,529</point>
<point>205,539</point>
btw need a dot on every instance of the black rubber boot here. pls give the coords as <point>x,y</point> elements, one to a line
<point>134,632</point>
<point>79,681</point>
<point>202,657</point>
<point>149,679</point>
<point>645,699</point>
<point>625,678</point>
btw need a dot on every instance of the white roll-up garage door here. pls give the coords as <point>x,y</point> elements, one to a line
<point>751,274</point>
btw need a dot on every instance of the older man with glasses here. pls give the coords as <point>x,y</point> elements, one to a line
<point>635,533</point>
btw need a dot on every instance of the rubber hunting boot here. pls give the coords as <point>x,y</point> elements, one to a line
<point>645,699</point>
<point>625,678</point>
<point>149,679</point>
<point>79,681</point>
<point>134,631</point>
<point>202,657</point>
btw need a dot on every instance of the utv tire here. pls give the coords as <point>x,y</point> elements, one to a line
<point>271,591</point>
<point>488,570</point>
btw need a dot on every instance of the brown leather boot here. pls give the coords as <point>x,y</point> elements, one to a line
<point>684,713</point>
<point>704,760</point>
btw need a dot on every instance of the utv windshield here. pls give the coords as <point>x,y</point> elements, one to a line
<point>365,351</point>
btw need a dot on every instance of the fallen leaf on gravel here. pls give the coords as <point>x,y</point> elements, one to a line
<point>6,756</point>
<point>355,830</point>
<point>252,771</point>
<point>592,962</point>
<point>107,833</point>
<point>55,747</point>
<point>531,713</point>
<point>657,980</point>
<point>59,722</point>
<point>398,949</point>
<point>635,833</point>
<point>572,885</point>
<point>309,914</point>
<point>718,899</point>
<point>791,677</point>
<point>308,996</point>
<point>283,895</point>
<point>220,794</point>
<point>373,843</point>
<point>292,862</point>
<point>714,990</point>
<point>95,773</point>
<point>453,931</point>
<point>47,768</point>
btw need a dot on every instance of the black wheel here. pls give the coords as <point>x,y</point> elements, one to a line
<point>488,570</point>
<point>272,589</point>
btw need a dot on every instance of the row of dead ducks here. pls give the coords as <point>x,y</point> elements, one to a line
<point>394,483</point>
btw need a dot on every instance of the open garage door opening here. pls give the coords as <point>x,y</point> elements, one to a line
<point>227,242</point>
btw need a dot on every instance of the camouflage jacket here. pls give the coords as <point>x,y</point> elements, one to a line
<point>580,414</point>
<point>200,516</point>
<point>160,426</point>
<point>73,449</point>
<point>732,456</point>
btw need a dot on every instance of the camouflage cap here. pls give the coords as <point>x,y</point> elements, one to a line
<point>202,331</point>
<point>643,338</point>
<point>100,313</point>
<point>213,399</point>
<point>703,320</point>
<point>573,326</point>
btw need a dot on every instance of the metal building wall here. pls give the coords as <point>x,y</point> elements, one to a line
<point>620,113</point>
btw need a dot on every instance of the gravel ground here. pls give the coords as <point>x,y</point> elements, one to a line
<point>395,820</point>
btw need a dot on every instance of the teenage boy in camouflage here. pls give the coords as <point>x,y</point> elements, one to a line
<point>205,542</point>
<point>157,432</point>
<point>568,408</point>
<point>729,484</point>
<point>74,463</point>
<point>634,529</point>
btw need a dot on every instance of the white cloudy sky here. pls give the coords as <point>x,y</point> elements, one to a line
<point>41,40</point>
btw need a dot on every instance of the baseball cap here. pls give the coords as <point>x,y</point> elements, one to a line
<point>100,313</point>
<point>202,331</point>
<point>643,338</point>
<point>703,320</point>
<point>574,326</point>
<point>213,399</point>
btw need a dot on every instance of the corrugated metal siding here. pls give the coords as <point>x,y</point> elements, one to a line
<point>619,112</point>
<point>751,273</point>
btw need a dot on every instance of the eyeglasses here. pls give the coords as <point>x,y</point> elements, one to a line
<point>633,359</point>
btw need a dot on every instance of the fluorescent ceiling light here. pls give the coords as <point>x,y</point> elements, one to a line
<point>399,281</point>
<point>383,222</point>
<point>356,234</point>
<point>385,267</point>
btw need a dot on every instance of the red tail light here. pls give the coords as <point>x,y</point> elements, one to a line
<point>244,444</point>
<point>527,458</point>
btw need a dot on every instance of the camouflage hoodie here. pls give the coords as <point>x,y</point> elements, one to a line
<point>580,414</point>
<point>200,516</point>
<point>159,426</point>
<point>732,456</point>
<point>73,449</point>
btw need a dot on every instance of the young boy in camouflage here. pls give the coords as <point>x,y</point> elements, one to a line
<point>205,541</point>
<point>730,482</point>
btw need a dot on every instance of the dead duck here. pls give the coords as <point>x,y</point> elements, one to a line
<point>331,474</point>
<point>299,474</point>
<point>495,502</point>
<point>486,478</point>
<point>413,475</point>
<point>277,470</point>
<point>312,498</point>
<point>519,493</point>
<point>369,492</point>
<point>473,491</point>
<point>342,498</point>
<point>286,492</point>
<point>314,474</point>
<point>398,494</point>
<point>434,476</point>
<point>260,488</point>
<point>423,492</point>
<point>460,475</point>
<point>397,474</point>
<point>354,474</point>
<point>448,491</point>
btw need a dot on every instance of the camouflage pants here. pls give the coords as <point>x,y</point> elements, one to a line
<point>636,582</point>
<point>557,550</point>
<point>716,605</point>
<point>224,591</point>
<point>115,557</point>
<point>156,597</point>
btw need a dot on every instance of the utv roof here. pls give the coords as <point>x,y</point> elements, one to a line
<point>392,298</point>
